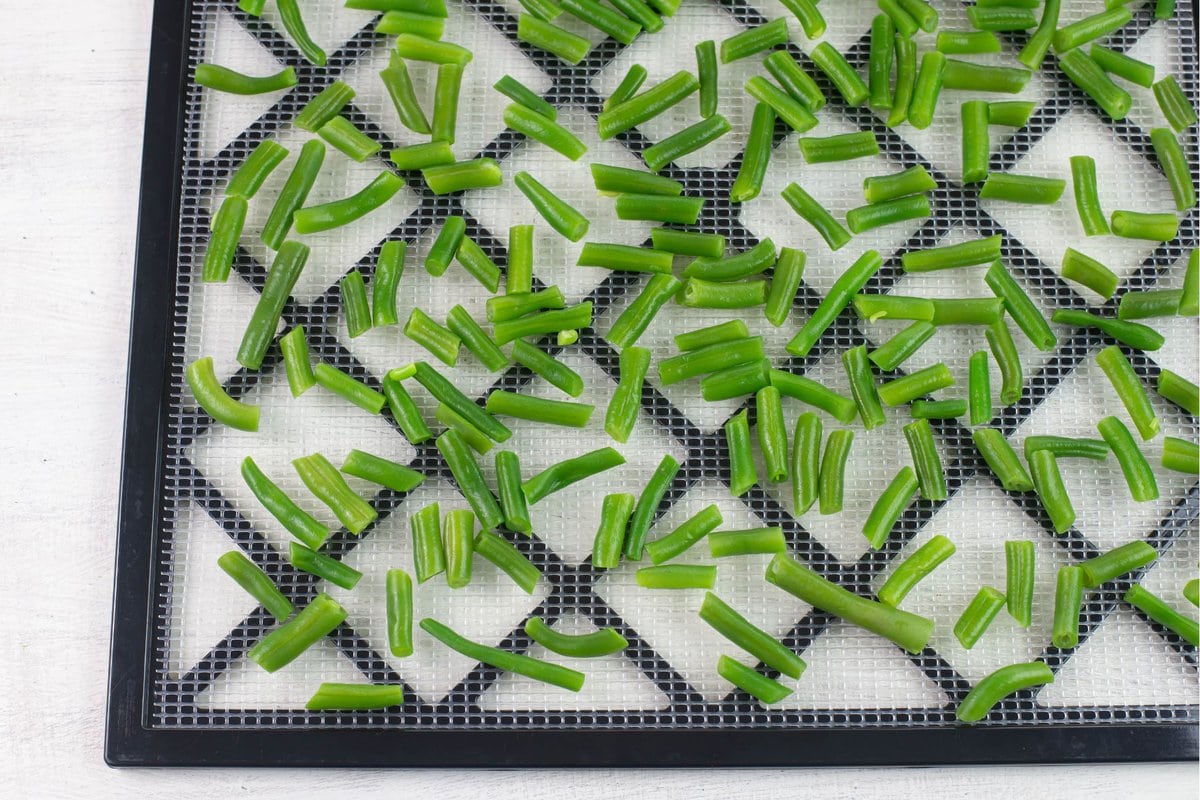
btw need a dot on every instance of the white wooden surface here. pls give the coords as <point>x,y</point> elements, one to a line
<point>72,88</point>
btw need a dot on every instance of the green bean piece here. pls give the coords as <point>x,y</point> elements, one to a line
<point>1001,683</point>
<point>975,147</point>
<point>1002,460</point>
<point>1035,49</point>
<point>915,568</point>
<point>968,311</point>
<point>518,274</point>
<point>926,89</point>
<point>1174,104</point>
<point>627,88</point>
<point>647,105</point>
<point>795,81</point>
<point>831,482</point>
<point>314,219</point>
<point>748,636</point>
<point>471,435</point>
<point>742,474</point>
<point>445,246</point>
<point>647,505</point>
<point>1129,388</point>
<point>1004,350</point>
<point>555,372</point>
<point>610,536</point>
<point>572,318</point>
<point>324,107</point>
<point>688,243</point>
<point>1020,307</point>
<point>1148,304</point>
<point>397,22</point>
<point>810,18</point>
<point>967,42</point>
<point>952,408</point>
<point>537,409</point>
<point>1028,189</point>
<point>785,282</point>
<point>512,497</point>
<point>906,27</point>
<point>889,212</point>
<point>1181,455</point>
<point>736,381</point>
<point>1067,447</point>
<point>1175,166</point>
<point>964,254</point>
<point>879,65</point>
<point>772,434</point>
<point>285,270</point>
<point>903,345</point>
<point>914,180</point>
<point>382,471</point>
<point>561,215</point>
<point>916,384</point>
<point>699,293</point>
<point>478,265</point>
<point>848,284</point>
<point>432,8</point>
<point>418,48</point>
<point>1122,65</point>
<point>659,208</point>
<point>848,83</point>
<point>812,393</point>
<point>730,331</point>
<point>256,583</point>
<point>925,15</point>
<point>1068,599</point>
<point>297,521</point>
<point>812,212</point>
<point>685,535</point>
<point>677,576</point>
<point>1048,483</point>
<point>283,645</point>
<point>888,508</point>
<point>874,307</point>
<point>324,481</point>
<point>405,412</point>
<point>978,615</point>
<point>1019,580</point>
<point>479,173</point>
<point>622,180</point>
<point>389,268</point>
<point>1095,83</point>
<point>458,545</point>
<point>706,360</point>
<point>354,303</point>
<point>754,40</point>
<point>1010,113</point>
<point>980,78</point>
<point>445,101</point>
<point>1191,590</point>
<point>906,77</point>
<point>603,19</point>
<point>296,361</point>
<point>905,629</point>
<point>930,475</point>
<point>293,23</point>
<point>543,129</point>
<point>640,13</point>
<point>1116,562</point>
<point>542,9</point>
<point>519,93</point>
<point>341,133</point>
<point>1090,28</point>
<point>755,684</point>
<point>1139,225</point>
<point>322,566</point>
<point>806,462</point>
<point>623,257</point>
<point>638,315</point>
<point>979,388</point>
<point>211,396</point>
<point>354,697</point>
<point>1000,18</point>
<point>862,387</point>
<point>561,475</point>
<point>722,544</point>
<point>1164,9</point>
<point>261,162</point>
<point>706,72</point>
<point>400,89</point>
<point>1158,611</point>
<point>536,669</point>
<point>840,147</point>
<point>226,229</point>
<point>1138,474</point>
<point>469,478</point>
<point>223,79</point>
<point>1179,390</point>
<point>476,339</point>
<point>439,340</point>
<point>293,194</point>
<point>686,141</point>
<point>602,642</point>
<point>622,412</point>
<point>1130,334</point>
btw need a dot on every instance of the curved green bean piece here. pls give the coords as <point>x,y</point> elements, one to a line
<point>1048,483</point>
<point>647,105</point>
<point>437,339</point>
<point>638,315</point>
<point>1175,166</point>
<point>1179,390</point>
<point>879,66</point>
<point>808,15</point>
<point>1019,580</point>
<point>622,412</point>
<point>748,636</point>
<point>399,86</point>
<point>754,40</point>
<point>602,642</point>
<point>1002,460</point>
<point>1131,334</point>
<point>1129,388</point>
<point>341,133</point>
<point>1095,83</point>
<point>1035,49</point>
<point>772,435</point>
<point>906,78</point>
<point>418,48</point>
<point>283,645</point>
<point>610,535</point>
<point>862,386</point>
<point>479,173</point>
<point>226,229</point>
<point>337,213</point>
<point>223,79</point>
<point>874,307</point>
<point>261,162</point>
<point>684,536</point>
<point>915,568</point>
<point>899,348</point>
<point>909,631</point>
<point>256,583</point>
<point>323,566</point>
<point>389,268</point>
<point>382,471</point>
<point>916,384</point>
<point>518,92</point>
<point>603,19</point>
<point>445,246</point>
<point>888,508</point>
<point>1010,113</point>
<point>293,23</point>
<point>1138,475</point>
<point>888,212</point>
<point>1020,307</point>
<point>509,559</point>
<point>677,576</point>
<point>930,475</point>
<point>561,215</point>
<point>293,194</point>
<point>809,391</point>
<point>543,322</point>
<point>1139,225</point>
<point>512,496</point>
<point>914,180</point>
<point>647,505</point>
<point>906,26</point>
<point>1181,455</point>
<point>540,363</point>
<point>464,326</point>
<point>561,475</point>
<point>628,86</point>
<point>1068,599</point>
<point>211,396</point>
<point>846,286</point>
<point>1087,200</point>
<point>324,481</point>
<point>978,615</point>
<point>785,282</point>
<point>812,212</point>
<point>1153,607</point>
<point>1174,104</point>
<point>1067,447</point>
<point>1089,28</point>
<point>1029,189</point>
<point>832,479</point>
<point>688,140</point>
<point>795,81</point>
<point>543,129</point>
<point>281,278</point>
<point>722,544</point>
<point>1191,590</point>
<point>998,685</point>
<point>806,462</point>
<point>357,310</point>
<point>755,684</point>
<point>1149,303</point>
<point>536,669</point>
<point>848,83</point>
<point>736,381</point>
<point>979,388</point>
<point>742,474</point>
<point>839,147</point>
<point>467,475</point>
<point>1004,350</point>
<point>294,348</point>
<point>926,89</point>
<point>297,521</point>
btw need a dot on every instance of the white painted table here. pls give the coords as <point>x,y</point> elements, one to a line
<point>72,89</point>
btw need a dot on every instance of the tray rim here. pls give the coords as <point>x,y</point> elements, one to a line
<point>130,740</point>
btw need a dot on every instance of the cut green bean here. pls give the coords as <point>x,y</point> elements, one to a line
<point>889,506</point>
<point>909,631</point>
<point>418,48</point>
<point>754,40</point>
<point>1027,189</point>
<point>968,311</point>
<point>981,78</point>
<point>1068,599</point>
<point>434,337</point>
<point>512,496</point>
<point>573,318</point>
<point>1181,455</point>
<point>1010,113</point>
<point>723,544</point>
<point>458,545</point>
<point>964,254</point>
<point>518,275</point>
<point>622,412</point>
<point>755,684</point>
<point>1139,225</point>
<point>978,615</point>
<point>1035,49</point>
<point>730,331</point>
<point>293,23</point>
<point>537,409</point>
<point>677,576</point>
<point>742,474</point>
<point>832,479</point>
<point>795,81</point>
<point>623,257</point>
<point>283,645</point>
<point>397,22</point>
<point>1179,390</point>
<point>906,79</point>
<point>748,636</point>
<point>862,387</point>
<point>699,293</point>
<point>931,477</point>
<point>915,568</point>
<point>445,246</point>
<point>772,435</point>
<point>1157,610</point>
<point>622,180</point>
<point>688,243</point>
<point>874,307</point>
<point>1002,460</point>
<point>812,393</point>
<point>297,521</point>
<point>806,462</point>
<point>914,180</point>
<point>1148,304</point>
<point>324,481</point>
<point>638,315</point>
<point>518,92</point>
<point>343,135</point>
<point>603,19</point>
<point>388,474</point>
<point>223,79</point>
<point>684,536</point>
<point>1191,590</point>
<point>647,505</point>
<point>848,83</point>
<point>615,511</point>
<point>1130,334</point>
<point>1095,83</point>
<point>542,9</point>
<point>658,208</point>
<point>916,384</point>
<point>628,86</point>
<point>1020,307</point>
<point>967,42</point>
<point>1019,580</point>
<point>1000,18</point>
<point>447,416</point>
<point>785,282</point>
<point>294,348</point>
<point>1164,9</point>
<point>314,219</point>
<point>647,105</point>
<point>1175,166</point>
<point>1067,447</point>
<point>469,478</point>
<point>433,8</point>
<point>536,669</point>
<point>1122,65</point>
<point>261,162</point>
<point>357,310</point>
<point>888,212</point>
<point>879,65</point>
<point>975,146</point>
<point>925,15</point>
<point>543,129</point>
<point>476,339</point>
<point>561,215</point>
<point>354,697</point>
<point>840,147</point>
<point>1090,28</point>
<point>405,411</point>
<point>812,212</point>
<point>848,284</point>
<point>256,583</point>
<point>324,107</point>
<point>293,194</point>
<point>561,475</point>
<point>926,89</point>
<point>1134,466</point>
<point>900,347</point>
<point>1004,350</point>
<point>323,566</point>
<point>445,102</point>
<point>906,27</point>
<point>1116,562</point>
<point>503,308</point>
<point>554,372</point>
<point>736,381</point>
<point>1174,104</point>
<point>952,408</point>
<point>281,278</point>
<point>398,83</point>
<point>389,268</point>
<point>602,642</point>
<point>1001,683</point>
<point>217,403</point>
<point>810,18</point>
<point>479,173</point>
<point>979,388</point>
<point>226,229</point>
<point>705,360</point>
<point>1129,388</point>
<point>1048,483</point>
<point>686,141</point>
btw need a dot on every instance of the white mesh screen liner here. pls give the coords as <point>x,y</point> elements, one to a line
<point>1125,670</point>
